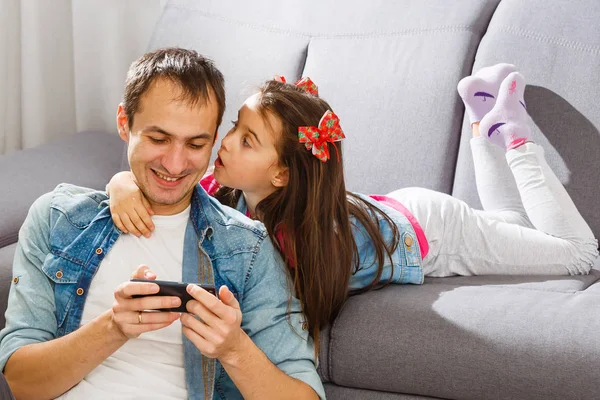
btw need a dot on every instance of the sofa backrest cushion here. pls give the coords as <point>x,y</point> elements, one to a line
<point>388,69</point>
<point>559,55</point>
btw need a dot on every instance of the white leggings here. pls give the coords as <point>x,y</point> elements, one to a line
<point>529,224</point>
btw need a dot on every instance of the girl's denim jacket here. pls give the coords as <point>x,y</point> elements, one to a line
<point>68,232</point>
<point>406,263</point>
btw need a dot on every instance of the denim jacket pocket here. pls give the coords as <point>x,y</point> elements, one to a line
<point>64,275</point>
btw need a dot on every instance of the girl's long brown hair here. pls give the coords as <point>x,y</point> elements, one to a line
<point>313,211</point>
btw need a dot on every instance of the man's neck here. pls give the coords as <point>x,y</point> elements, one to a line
<point>171,209</point>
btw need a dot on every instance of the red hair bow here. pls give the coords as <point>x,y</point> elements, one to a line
<point>316,138</point>
<point>305,84</point>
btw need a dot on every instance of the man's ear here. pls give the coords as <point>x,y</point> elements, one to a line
<point>281,178</point>
<point>122,123</point>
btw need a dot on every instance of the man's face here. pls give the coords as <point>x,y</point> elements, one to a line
<point>170,145</point>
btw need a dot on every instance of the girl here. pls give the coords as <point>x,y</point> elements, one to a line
<point>282,163</point>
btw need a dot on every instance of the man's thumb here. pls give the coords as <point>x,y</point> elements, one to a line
<point>227,297</point>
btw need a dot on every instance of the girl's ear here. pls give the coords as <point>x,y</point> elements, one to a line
<point>281,177</point>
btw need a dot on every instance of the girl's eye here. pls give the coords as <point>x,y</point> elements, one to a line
<point>245,142</point>
<point>234,122</point>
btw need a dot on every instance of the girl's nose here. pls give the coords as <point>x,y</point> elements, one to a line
<point>226,141</point>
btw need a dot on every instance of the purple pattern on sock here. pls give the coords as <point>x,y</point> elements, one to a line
<point>479,91</point>
<point>494,127</point>
<point>508,121</point>
<point>484,95</point>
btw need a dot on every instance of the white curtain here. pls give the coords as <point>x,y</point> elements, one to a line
<point>63,64</point>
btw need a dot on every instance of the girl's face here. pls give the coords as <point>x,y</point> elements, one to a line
<point>248,159</point>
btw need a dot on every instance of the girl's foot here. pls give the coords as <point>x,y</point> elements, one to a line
<point>479,91</point>
<point>507,123</point>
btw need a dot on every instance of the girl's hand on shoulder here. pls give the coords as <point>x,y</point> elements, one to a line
<point>129,208</point>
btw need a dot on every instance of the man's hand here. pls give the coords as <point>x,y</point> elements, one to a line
<point>128,313</point>
<point>218,333</point>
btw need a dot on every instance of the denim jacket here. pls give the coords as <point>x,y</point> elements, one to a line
<point>406,263</point>
<point>68,232</point>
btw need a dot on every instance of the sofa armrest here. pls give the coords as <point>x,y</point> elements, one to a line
<point>88,159</point>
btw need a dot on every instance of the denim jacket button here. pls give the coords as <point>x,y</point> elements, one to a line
<point>408,240</point>
<point>79,292</point>
<point>59,274</point>
<point>16,280</point>
<point>98,251</point>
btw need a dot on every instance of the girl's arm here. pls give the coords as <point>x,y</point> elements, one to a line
<point>129,207</point>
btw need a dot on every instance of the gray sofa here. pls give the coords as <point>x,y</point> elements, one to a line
<point>390,71</point>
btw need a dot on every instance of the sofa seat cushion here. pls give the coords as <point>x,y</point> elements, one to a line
<point>472,338</point>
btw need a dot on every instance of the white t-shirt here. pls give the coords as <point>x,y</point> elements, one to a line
<point>151,366</point>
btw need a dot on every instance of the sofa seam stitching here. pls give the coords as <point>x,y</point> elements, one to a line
<point>451,28</point>
<point>548,39</point>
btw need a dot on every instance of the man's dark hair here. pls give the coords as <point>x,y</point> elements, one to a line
<point>195,75</point>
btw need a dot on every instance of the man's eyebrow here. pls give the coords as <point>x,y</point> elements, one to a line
<point>153,128</point>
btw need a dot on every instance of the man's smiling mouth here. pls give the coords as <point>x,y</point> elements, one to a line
<point>165,177</point>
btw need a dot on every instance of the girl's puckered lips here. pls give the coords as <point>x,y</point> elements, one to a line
<point>219,162</point>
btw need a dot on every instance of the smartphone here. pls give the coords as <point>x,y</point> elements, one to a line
<point>178,289</point>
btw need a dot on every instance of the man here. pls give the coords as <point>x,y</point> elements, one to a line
<point>69,332</point>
